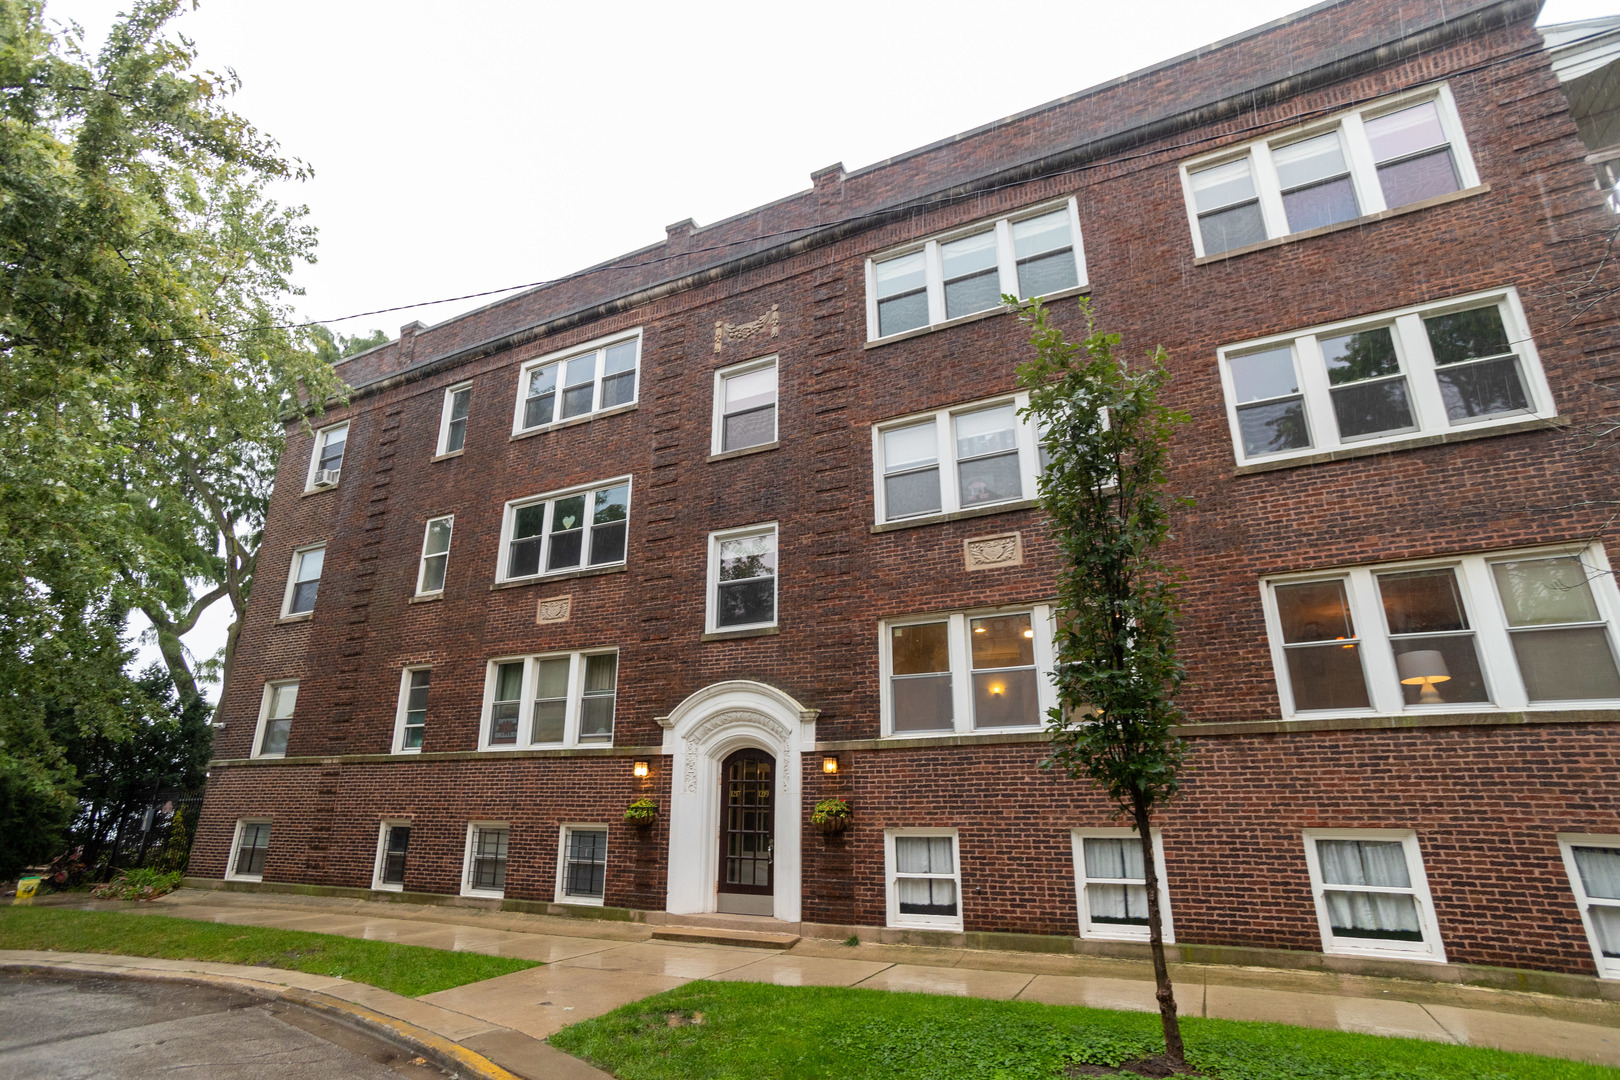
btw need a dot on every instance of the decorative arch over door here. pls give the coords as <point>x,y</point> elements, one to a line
<point>725,722</point>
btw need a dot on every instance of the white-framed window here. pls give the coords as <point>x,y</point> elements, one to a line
<point>275,718</point>
<point>1372,896</point>
<point>483,871</point>
<point>1507,631</point>
<point>393,843</point>
<point>742,578</point>
<point>1035,252</point>
<point>1385,378</point>
<point>453,420</point>
<point>923,872</point>
<point>582,864</point>
<point>326,463</point>
<point>249,847</point>
<point>565,530</point>
<point>435,555</point>
<point>578,381</point>
<point>959,672</point>
<point>303,580</point>
<point>1110,884</point>
<point>410,720</point>
<point>1593,865</point>
<point>947,460</point>
<point>744,405</point>
<point>1381,156</point>
<point>552,699</point>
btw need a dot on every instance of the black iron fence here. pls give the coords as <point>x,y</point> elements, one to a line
<point>143,837</point>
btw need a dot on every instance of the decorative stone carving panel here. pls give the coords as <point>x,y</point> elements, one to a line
<point>725,331</point>
<point>989,552</point>
<point>554,609</point>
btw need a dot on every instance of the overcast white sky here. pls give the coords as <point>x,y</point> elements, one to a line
<point>492,143</point>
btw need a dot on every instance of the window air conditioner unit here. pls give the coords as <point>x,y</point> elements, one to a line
<point>326,477</point>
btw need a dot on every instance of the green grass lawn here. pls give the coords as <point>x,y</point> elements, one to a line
<point>405,969</point>
<point>751,1031</point>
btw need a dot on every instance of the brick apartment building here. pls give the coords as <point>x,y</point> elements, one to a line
<point>745,519</point>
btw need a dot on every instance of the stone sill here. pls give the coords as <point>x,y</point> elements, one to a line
<point>307,492</point>
<point>447,457</point>
<point>648,752</point>
<point>957,515</point>
<point>734,635</point>
<point>963,320</point>
<point>567,575</point>
<point>426,599</point>
<point>923,742</point>
<point>1416,442</point>
<point>1353,223</point>
<point>301,617</point>
<point>744,452</point>
<point>574,421</point>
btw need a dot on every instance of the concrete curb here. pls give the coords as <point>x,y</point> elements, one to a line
<point>443,1052</point>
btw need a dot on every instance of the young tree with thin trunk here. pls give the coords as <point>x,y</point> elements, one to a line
<point>1107,437</point>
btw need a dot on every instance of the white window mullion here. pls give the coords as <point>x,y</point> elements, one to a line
<point>574,705</point>
<point>1363,170</point>
<point>1079,247</point>
<point>950,488</point>
<point>1029,450</point>
<point>531,687</point>
<point>1451,126</point>
<point>961,676</point>
<point>935,274</point>
<point>871,301</point>
<point>1412,347</point>
<point>600,361</point>
<point>1269,188</point>
<point>1313,382</point>
<point>1377,661</point>
<point>1045,659</point>
<point>1006,261</point>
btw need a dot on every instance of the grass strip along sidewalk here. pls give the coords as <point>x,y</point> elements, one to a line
<point>746,1031</point>
<point>411,970</point>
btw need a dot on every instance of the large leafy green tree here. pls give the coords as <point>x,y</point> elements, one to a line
<point>147,363</point>
<point>1107,437</point>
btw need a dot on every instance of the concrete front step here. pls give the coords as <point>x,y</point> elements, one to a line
<point>713,928</point>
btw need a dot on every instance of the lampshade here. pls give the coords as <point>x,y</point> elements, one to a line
<point>1422,667</point>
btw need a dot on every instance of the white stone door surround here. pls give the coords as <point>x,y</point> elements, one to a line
<point>698,735</point>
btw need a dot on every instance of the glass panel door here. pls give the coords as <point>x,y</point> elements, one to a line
<point>746,832</point>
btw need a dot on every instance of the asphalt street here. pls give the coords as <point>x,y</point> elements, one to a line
<point>107,1029</point>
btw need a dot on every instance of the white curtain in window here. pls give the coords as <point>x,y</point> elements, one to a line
<point>923,855</point>
<point>1373,912</point>
<point>1364,862</point>
<point>927,893</point>
<point>1606,920</point>
<point>1117,903</point>
<point>1114,858</point>
<point>1600,871</point>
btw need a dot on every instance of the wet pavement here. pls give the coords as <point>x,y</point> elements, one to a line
<point>116,1029</point>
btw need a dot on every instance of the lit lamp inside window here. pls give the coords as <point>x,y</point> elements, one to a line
<point>641,770</point>
<point>829,765</point>
<point>997,689</point>
<point>1423,667</point>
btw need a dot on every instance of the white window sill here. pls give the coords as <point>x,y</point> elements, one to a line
<point>1459,710</point>
<point>267,757</point>
<point>1482,429</point>
<point>727,455</point>
<point>302,616</point>
<point>575,421</point>
<point>377,886</point>
<point>561,575</point>
<point>970,733</point>
<point>948,925</point>
<point>319,490</point>
<point>427,598</point>
<point>1107,935</point>
<point>483,894</point>
<point>963,320</point>
<point>598,744</point>
<point>732,634</point>
<point>447,457</point>
<point>1353,223</point>
<point>581,901</point>
<point>955,515</point>
<point>244,877</point>
<point>409,750</point>
<point>1423,955</point>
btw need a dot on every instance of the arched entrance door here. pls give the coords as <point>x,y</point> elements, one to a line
<point>747,833</point>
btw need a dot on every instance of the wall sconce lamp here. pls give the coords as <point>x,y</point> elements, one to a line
<point>1423,667</point>
<point>642,768</point>
<point>829,765</point>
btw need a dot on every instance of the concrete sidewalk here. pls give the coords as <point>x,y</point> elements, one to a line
<point>594,967</point>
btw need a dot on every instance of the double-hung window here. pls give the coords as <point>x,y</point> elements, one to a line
<point>1466,362</point>
<point>957,673</point>
<point>1111,884</point>
<point>393,841</point>
<point>248,853</point>
<point>742,578</point>
<point>411,722</point>
<point>453,420</point>
<point>275,719</point>
<point>484,866</point>
<point>582,869</point>
<point>435,556</point>
<point>963,458</point>
<point>554,699</point>
<point>326,463</point>
<point>1593,865</point>
<point>303,580</point>
<point>577,382</point>
<point>744,406</point>
<point>1036,252</point>
<point>1384,155</point>
<point>1372,897</point>
<point>924,878</point>
<point>1531,629</point>
<point>568,530</point>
